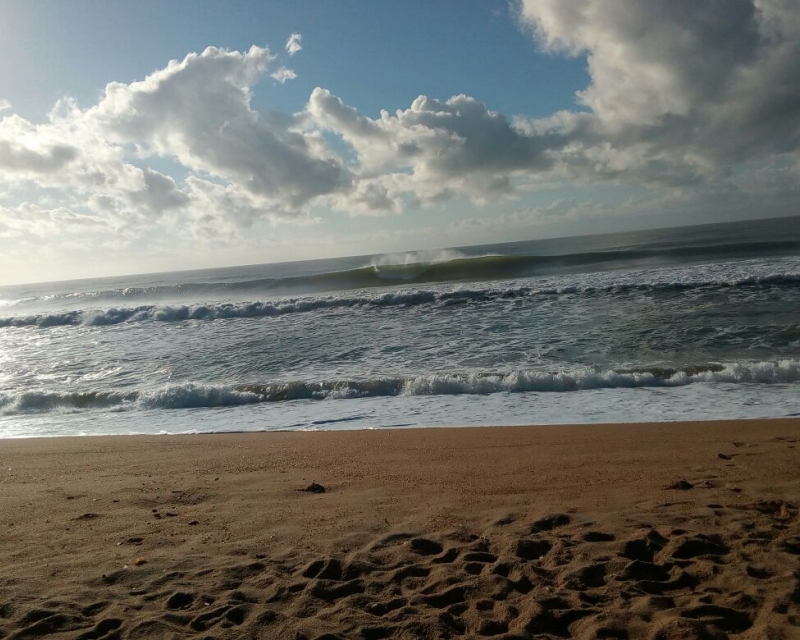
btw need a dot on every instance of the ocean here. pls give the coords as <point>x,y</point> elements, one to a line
<point>686,323</point>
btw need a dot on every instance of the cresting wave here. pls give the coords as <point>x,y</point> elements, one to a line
<point>190,395</point>
<point>399,298</point>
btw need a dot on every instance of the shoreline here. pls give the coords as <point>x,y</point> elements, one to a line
<point>454,427</point>
<point>421,532</point>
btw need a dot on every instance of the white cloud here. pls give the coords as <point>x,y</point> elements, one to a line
<point>294,43</point>
<point>64,157</point>
<point>198,112</point>
<point>5,105</point>
<point>243,166</point>
<point>282,74</point>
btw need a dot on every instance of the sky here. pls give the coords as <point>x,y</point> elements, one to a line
<point>153,136</point>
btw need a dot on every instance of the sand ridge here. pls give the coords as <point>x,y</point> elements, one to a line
<point>620,531</point>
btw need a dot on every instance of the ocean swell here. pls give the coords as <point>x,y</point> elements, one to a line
<point>425,268</point>
<point>396,298</point>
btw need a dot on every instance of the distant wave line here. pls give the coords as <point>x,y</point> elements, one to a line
<point>446,266</point>
<point>398,298</point>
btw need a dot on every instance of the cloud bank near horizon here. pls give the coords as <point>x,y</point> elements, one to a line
<point>703,98</point>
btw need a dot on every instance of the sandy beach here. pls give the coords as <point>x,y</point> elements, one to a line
<point>662,531</point>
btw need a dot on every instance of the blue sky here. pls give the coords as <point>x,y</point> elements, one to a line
<point>378,55</point>
<point>501,121</point>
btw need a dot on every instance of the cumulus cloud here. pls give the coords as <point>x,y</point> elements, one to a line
<point>435,149</point>
<point>30,151</point>
<point>681,93</point>
<point>243,165</point>
<point>159,192</point>
<point>679,89</point>
<point>198,112</point>
<point>65,160</point>
<point>5,105</point>
<point>294,43</point>
<point>18,158</point>
<point>649,59</point>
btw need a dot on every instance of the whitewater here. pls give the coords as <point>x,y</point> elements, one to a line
<point>691,323</point>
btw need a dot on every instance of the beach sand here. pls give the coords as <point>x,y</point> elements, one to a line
<point>663,531</point>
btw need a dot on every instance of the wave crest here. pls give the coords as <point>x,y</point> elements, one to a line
<point>407,267</point>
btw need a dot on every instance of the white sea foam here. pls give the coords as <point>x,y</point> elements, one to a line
<point>191,395</point>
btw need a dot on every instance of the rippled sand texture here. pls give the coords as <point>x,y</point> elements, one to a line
<point>624,531</point>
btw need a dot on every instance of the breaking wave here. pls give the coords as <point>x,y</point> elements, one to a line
<point>411,266</point>
<point>398,298</point>
<point>185,396</point>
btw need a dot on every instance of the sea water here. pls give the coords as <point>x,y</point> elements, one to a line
<point>689,323</point>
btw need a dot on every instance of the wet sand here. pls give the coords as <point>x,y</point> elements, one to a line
<point>662,531</point>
